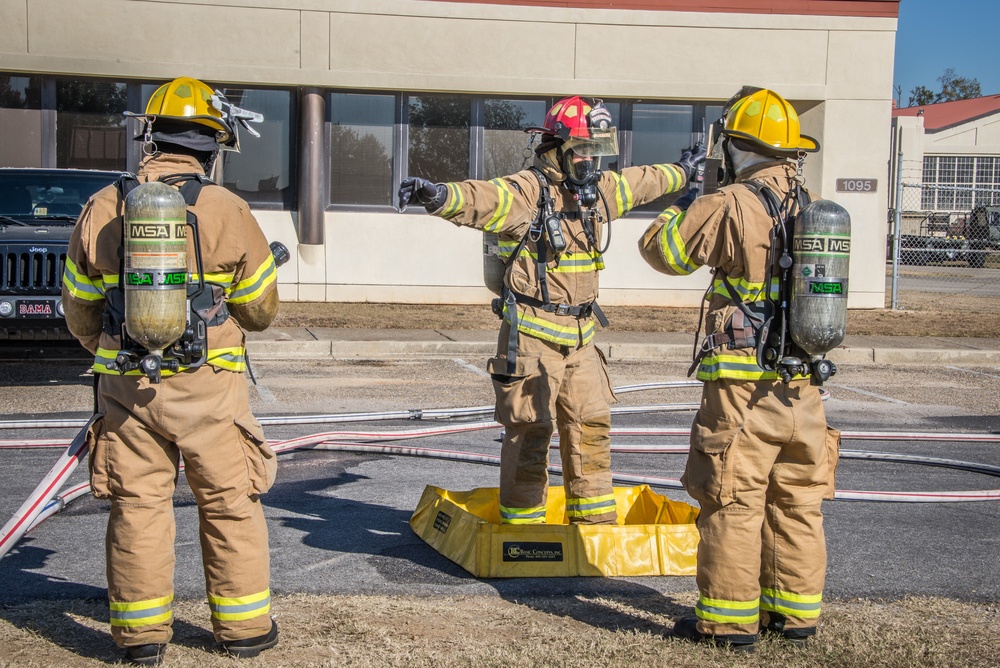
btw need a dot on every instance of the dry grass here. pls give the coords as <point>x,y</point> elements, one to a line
<point>925,315</point>
<point>376,631</point>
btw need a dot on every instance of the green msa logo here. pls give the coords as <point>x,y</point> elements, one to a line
<point>833,287</point>
<point>154,279</point>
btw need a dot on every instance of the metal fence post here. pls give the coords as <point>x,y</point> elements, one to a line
<point>896,228</point>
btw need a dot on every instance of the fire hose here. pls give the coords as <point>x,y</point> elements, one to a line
<point>45,501</point>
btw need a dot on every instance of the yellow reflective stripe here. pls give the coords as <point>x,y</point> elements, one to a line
<point>672,245</point>
<point>550,331</point>
<point>507,248</point>
<point>504,203</point>
<point>240,608</point>
<point>803,606</point>
<point>534,515</point>
<point>623,194</point>
<point>727,612</point>
<point>747,290</point>
<point>739,367</point>
<point>568,263</point>
<point>593,505</point>
<point>675,177</point>
<point>454,202</point>
<point>253,287</point>
<point>231,359</point>
<point>216,277</point>
<point>141,613</point>
<point>80,286</point>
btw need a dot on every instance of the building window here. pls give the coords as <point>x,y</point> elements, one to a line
<point>261,173</point>
<point>438,142</point>
<point>90,128</point>
<point>362,132</point>
<point>959,183</point>
<point>20,121</point>
<point>660,132</point>
<point>506,147</point>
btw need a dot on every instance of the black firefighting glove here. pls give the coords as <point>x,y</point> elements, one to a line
<point>691,158</point>
<point>421,191</point>
<point>684,201</point>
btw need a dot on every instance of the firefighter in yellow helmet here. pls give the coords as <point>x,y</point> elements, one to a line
<point>547,373</point>
<point>762,458</point>
<point>198,412</point>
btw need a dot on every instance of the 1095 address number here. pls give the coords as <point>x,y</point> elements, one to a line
<point>857,185</point>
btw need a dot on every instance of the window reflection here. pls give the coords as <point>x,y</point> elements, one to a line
<point>505,143</point>
<point>660,132</point>
<point>261,172</point>
<point>90,128</point>
<point>20,121</point>
<point>439,137</point>
<point>361,141</point>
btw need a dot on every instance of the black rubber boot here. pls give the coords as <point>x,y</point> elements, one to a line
<point>776,627</point>
<point>250,647</point>
<point>146,655</point>
<point>687,628</point>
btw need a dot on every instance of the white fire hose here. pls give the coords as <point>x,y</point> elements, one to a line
<point>46,501</point>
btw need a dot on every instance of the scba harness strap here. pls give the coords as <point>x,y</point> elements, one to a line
<point>751,325</point>
<point>206,302</point>
<point>544,232</point>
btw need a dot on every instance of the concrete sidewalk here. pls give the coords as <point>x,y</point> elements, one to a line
<point>306,342</point>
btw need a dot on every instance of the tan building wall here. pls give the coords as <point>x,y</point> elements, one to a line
<point>836,69</point>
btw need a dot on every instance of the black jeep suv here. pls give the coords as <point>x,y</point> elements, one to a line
<point>38,208</point>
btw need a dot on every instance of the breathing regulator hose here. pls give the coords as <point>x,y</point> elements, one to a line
<point>46,500</point>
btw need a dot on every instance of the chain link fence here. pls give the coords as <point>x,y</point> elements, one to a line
<point>944,242</point>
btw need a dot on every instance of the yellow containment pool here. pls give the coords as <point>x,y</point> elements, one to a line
<point>654,536</point>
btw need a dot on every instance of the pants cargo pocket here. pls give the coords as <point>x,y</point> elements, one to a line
<point>262,464</point>
<point>832,459</point>
<point>709,474</point>
<point>523,396</point>
<point>97,460</point>
<point>606,387</point>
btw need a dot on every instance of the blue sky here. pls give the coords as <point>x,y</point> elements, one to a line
<point>933,35</point>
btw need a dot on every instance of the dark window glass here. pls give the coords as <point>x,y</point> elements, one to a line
<point>505,143</point>
<point>361,142</point>
<point>660,132</point>
<point>261,173</point>
<point>438,146</point>
<point>90,128</point>
<point>20,121</point>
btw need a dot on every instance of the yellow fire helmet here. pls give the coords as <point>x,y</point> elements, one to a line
<point>768,120</point>
<point>187,99</point>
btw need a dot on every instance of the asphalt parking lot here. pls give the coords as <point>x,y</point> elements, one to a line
<point>338,520</point>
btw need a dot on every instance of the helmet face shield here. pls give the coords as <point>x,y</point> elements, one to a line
<point>600,142</point>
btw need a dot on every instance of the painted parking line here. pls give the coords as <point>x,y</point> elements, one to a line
<point>868,394</point>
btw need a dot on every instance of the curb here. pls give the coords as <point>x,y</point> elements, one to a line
<point>273,350</point>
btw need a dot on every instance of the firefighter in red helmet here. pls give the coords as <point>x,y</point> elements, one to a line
<point>547,373</point>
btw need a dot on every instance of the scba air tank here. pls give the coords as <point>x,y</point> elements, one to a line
<point>155,266</point>
<point>821,253</point>
<point>494,267</point>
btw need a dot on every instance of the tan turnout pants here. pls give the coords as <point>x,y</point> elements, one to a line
<point>204,418</point>
<point>554,387</point>
<point>762,460</point>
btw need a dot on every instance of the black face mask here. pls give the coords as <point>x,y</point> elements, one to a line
<point>582,176</point>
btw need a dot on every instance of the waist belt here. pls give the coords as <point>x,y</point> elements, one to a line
<point>582,311</point>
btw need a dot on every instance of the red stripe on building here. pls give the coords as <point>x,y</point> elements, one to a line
<point>866,8</point>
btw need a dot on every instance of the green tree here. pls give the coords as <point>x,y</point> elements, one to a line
<point>953,87</point>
